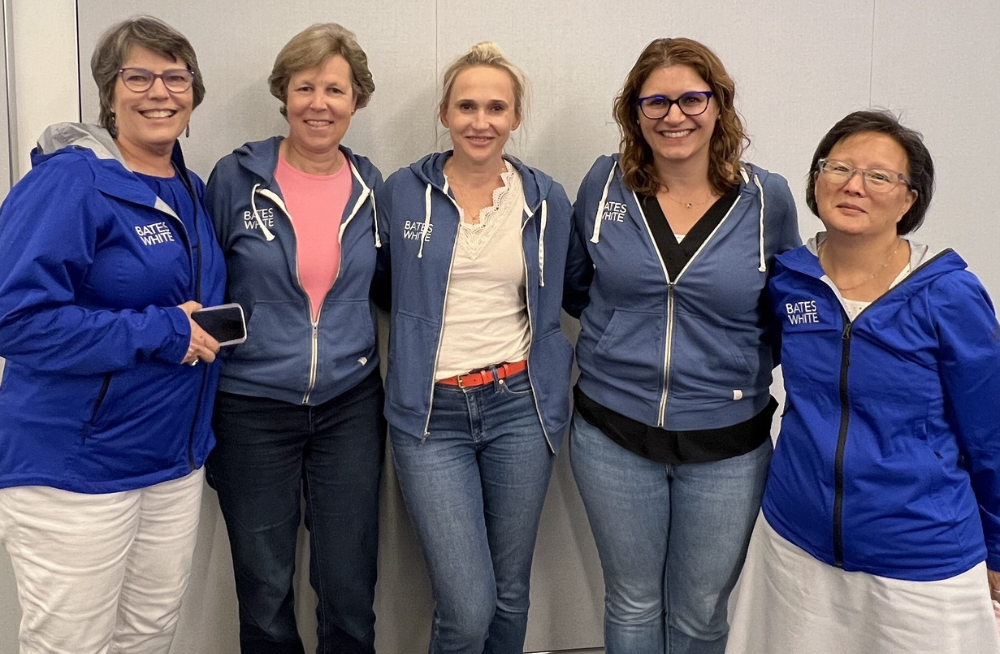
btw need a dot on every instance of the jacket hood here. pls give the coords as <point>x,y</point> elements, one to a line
<point>925,263</point>
<point>79,135</point>
<point>537,185</point>
<point>261,158</point>
<point>751,185</point>
<point>111,174</point>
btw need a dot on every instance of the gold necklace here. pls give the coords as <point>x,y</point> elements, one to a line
<point>688,205</point>
<point>819,252</point>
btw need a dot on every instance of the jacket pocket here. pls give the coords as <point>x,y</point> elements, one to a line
<point>102,394</point>
<point>630,351</point>
<point>278,349</point>
<point>551,367</point>
<point>413,343</point>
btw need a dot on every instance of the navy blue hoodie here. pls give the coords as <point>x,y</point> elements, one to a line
<point>687,353</point>
<point>287,356</point>
<point>92,267</point>
<point>418,225</point>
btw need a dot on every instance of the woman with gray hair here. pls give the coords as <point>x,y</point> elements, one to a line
<point>107,250</point>
<point>299,410</point>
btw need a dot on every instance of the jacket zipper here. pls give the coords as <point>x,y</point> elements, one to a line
<point>444,304</point>
<point>87,426</point>
<point>196,263</point>
<point>527,359</point>
<point>838,465</point>
<point>845,412</point>
<point>314,324</point>
<point>668,336</point>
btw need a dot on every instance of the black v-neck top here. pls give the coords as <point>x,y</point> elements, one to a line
<point>676,255</point>
<point>665,445</point>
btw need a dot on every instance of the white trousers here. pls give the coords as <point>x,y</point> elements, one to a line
<point>101,574</point>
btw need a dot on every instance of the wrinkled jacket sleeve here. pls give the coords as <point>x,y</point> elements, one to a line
<point>49,226</point>
<point>382,281</point>
<point>969,339</point>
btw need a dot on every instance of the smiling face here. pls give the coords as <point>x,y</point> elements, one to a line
<point>677,138</point>
<point>850,207</point>
<point>319,106</point>
<point>480,114</point>
<point>153,119</point>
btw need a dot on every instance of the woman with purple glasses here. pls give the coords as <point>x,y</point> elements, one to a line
<point>671,436</point>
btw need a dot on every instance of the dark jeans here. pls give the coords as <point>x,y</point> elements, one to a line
<point>270,454</point>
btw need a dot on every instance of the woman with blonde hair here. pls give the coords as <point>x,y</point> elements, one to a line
<point>477,388</point>
<point>671,436</point>
<point>300,402</point>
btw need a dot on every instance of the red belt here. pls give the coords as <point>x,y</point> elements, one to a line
<point>485,376</point>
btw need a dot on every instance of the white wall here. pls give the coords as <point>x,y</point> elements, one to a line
<point>799,67</point>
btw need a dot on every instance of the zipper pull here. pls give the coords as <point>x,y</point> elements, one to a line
<point>846,336</point>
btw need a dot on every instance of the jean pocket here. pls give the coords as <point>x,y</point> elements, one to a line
<point>516,385</point>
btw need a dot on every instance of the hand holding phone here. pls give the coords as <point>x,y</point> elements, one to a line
<point>225,323</point>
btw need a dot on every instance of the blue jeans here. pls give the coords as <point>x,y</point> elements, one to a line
<point>474,489</point>
<point>269,455</point>
<point>672,540</point>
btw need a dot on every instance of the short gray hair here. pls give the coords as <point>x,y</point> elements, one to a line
<point>113,50</point>
<point>309,49</point>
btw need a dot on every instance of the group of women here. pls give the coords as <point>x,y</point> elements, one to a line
<point>880,528</point>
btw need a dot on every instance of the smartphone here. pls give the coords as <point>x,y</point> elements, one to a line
<point>225,323</point>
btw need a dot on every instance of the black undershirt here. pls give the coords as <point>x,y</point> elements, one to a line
<point>667,445</point>
<point>676,255</point>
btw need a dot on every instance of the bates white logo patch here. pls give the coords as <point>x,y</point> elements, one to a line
<point>266,216</point>
<point>412,229</point>
<point>155,233</point>
<point>614,211</point>
<point>802,313</point>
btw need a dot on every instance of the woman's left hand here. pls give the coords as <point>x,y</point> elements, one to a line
<point>994,578</point>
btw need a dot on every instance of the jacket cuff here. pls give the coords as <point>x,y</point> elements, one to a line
<point>177,342</point>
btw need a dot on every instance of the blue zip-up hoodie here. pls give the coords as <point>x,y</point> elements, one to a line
<point>286,356</point>
<point>888,460</point>
<point>92,267</point>
<point>680,354</point>
<point>420,219</point>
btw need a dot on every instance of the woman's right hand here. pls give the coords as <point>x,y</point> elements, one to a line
<point>202,346</point>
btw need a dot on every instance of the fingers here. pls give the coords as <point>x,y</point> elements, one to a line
<point>201,347</point>
<point>189,307</point>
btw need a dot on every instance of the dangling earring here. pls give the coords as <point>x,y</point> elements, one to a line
<point>187,131</point>
<point>113,130</point>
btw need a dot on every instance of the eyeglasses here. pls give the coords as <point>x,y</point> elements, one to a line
<point>656,107</point>
<point>140,80</point>
<point>878,180</point>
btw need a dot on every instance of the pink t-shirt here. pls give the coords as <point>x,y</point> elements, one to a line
<point>316,204</point>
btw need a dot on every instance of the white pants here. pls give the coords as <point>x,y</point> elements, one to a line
<point>101,574</point>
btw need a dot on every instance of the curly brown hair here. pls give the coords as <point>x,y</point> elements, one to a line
<point>729,139</point>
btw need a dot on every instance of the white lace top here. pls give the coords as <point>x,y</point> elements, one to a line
<point>485,315</point>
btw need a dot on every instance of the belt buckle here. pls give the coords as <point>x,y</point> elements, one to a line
<point>460,379</point>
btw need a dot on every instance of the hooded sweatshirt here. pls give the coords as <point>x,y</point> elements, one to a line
<point>418,225</point>
<point>683,354</point>
<point>888,460</point>
<point>92,267</point>
<point>287,356</point>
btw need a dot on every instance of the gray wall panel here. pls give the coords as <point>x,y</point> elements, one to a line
<point>939,67</point>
